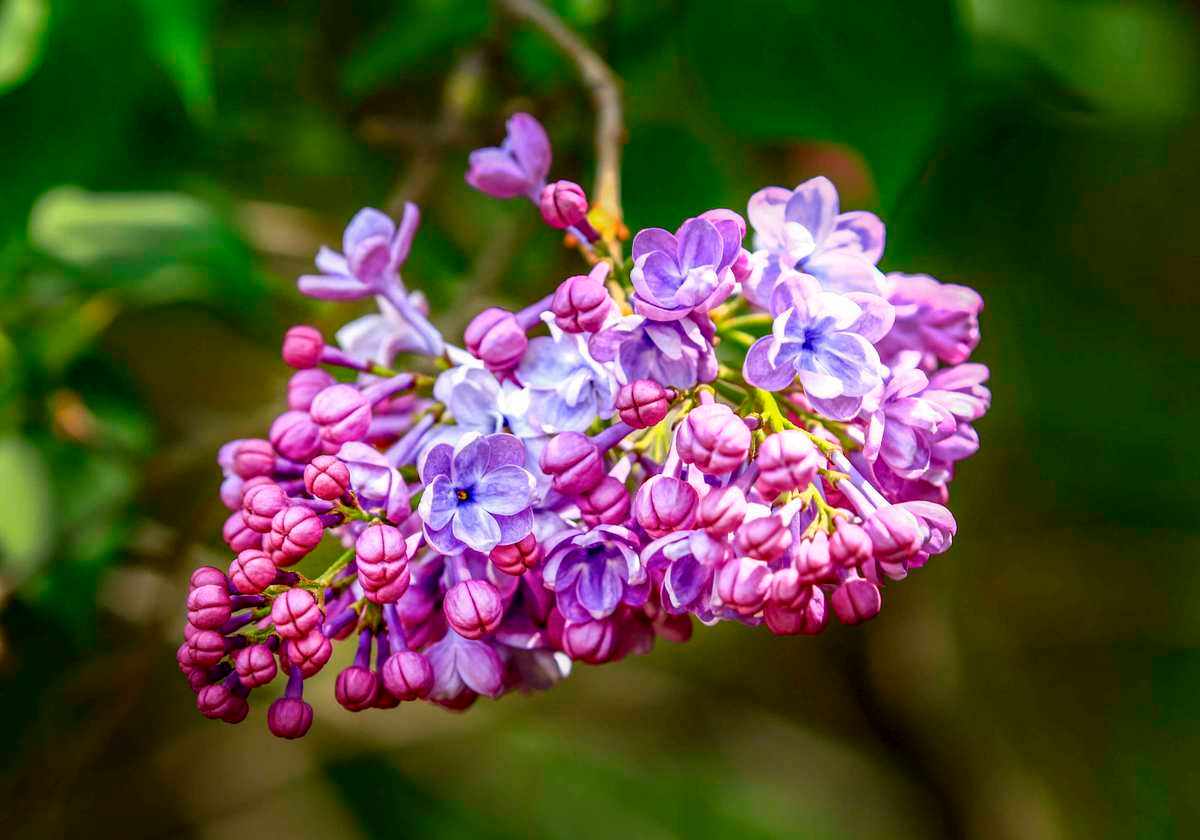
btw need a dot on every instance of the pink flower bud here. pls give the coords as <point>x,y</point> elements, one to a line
<point>743,583</point>
<point>714,439</point>
<point>236,711</point>
<point>388,592</point>
<point>260,504</point>
<point>237,535</point>
<point>794,607</point>
<point>473,608</point>
<point>856,601</point>
<point>355,688</point>
<point>382,561</point>
<point>252,571</point>
<point>786,460</point>
<point>327,478</point>
<point>665,504</point>
<point>722,510</point>
<point>255,665</point>
<point>895,533</point>
<point>765,538</point>
<point>289,717</point>
<point>309,653</point>
<point>850,546</point>
<point>209,606</point>
<point>306,384</point>
<point>607,503</point>
<point>563,204</point>
<point>206,648</point>
<point>581,304</point>
<point>643,403</point>
<point>295,531</point>
<point>253,457</point>
<point>206,576</point>
<point>573,462</point>
<point>215,701</point>
<point>593,642</point>
<point>296,613</point>
<point>514,559</point>
<point>812,560</point>
<point>294,435</point>
<point>408,675</point>
<point>302,347</point>
<point>495,337</point>
<point>342,412</point>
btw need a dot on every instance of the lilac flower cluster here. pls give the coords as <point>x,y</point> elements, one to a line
<point>763,435</point>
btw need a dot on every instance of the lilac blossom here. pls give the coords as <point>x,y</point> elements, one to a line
<point>478,494</point>
<point>826,340</point>
<point>802,230</point>
<point>677,274</point>
<point>593,572</point>
<point>461,665</point>
<point>518,166</point>
<point>569,388</point>
<point>938,321</point>
<point>907,425</point>
<point>674,353</point>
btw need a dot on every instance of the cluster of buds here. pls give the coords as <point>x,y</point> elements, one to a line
<point>701,431</point>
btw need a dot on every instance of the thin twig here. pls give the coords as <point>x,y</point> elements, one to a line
<point>605,89</point>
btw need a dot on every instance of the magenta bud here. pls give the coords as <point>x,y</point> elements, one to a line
<point>342,412</point>
<point>408,675</point>
<point>607,503</point>
<point>794,607</point>
<point>255,665</point>
<point>743,583</point>
<point>384,699</point>
<point>473,608</point>
<point>714,439</point>
<point>252,571</point>
<point>253,457</point>
<point>294,435</point>
<point>581,304</point>
<point>593,642</point>
<point>236,711</point>
<point>856,601</point>
<point>643,403</point>
<point>895,533</point>
<point>812,561</point>
<point>327,478</point>
<point>302,347</point>
<point>850,546</point>
<point>296,614</point>
<point>389,591</point>
<point>495,337</point>
<point>206,648</point>
<point>238,535</point>
<point>289,717</point>
<point>310,652</point>
<point>514,559</point>
<point>355,688</point>
<point>295,531</point>
<point>209,606</point>
<point>382,561</point>
<point>722,510</point>
<point>573,462</point>
<point>183,656</point>
<point>216,700</point>
<point>765,538</point>
<point>563,204</point>
<point>786,460</point>
<point>261,503</point>
<point>231,491</point>
<point>206,576</point>
<point>665,504</point>
<point>306,384</point>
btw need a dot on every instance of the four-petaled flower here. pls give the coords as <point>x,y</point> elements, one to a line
<point>594,572</point>
<point>570,388</point>
<point>689,271</point>
<point>477,494</point>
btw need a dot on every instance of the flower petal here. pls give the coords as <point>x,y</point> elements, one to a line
<point>437,462</point>
<point>759,371</point>
<point>814,204</point>
<point>470,460</point>
<point>438,503</point>
<point>475,527</point>
<point>367,223</point>
<point>505,490</point>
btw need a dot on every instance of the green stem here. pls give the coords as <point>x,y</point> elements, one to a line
<point>329,574</point>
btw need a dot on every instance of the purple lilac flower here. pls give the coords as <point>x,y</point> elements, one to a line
<point>677,274</point>
<point>686,562</point>
<point>478,494</point>
<point>826,340</point>
<point>938,321</point>
<point>373,250</point>
<point>570,388</point>
<point>461,665</point>
<point>518,166</point>
<point>379,337</point>
<point>374,479</point>
<point>802,230</point>
<point>594,572</point>
<point>907,425</point>
<point>678,354</point>
<point>481,403</point>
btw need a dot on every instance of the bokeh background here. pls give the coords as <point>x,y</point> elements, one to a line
<point>170,166</point>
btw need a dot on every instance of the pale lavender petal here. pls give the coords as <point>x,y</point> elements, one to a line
<point>759,371</point>
<point>495,172</point>
<point>547,362</point>
<point>732,228</point>
<point>599,590</point>
<point>516,527</point>
<point>843,272</point>
<point>505,449</point>
<point>331,262</point>
<point>904,450</point>
<point>877,316</point>
<point>475,527</point>
<point>479,666</point>
<point>402,243</point>
<point>437,462</point>
<point>444,541</point>
<point>438,503</point>
<point>837,408</point>
<point>367,223</point>
<point>685,581</point>
<point>654,239</point>
<point>859,232</point>
<point>699,244</point>
<point>765,209</point>
<point>470,460</point>
<point>326,287</point>
<point>852,360</point>
<point>528,143</point>
<point>814,204</point>
<point>656,277</point>
<point>505,490</point>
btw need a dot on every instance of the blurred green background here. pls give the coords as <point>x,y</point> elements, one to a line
<point>170,166</point>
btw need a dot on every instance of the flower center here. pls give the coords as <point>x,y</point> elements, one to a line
<point>463,495</point>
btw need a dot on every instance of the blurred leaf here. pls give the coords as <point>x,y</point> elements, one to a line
<point>25,528</point>
<point>178,33</point>
<point>1133,60</point>
<point>668,168</point>
<point>22,31</point>
<point>419,31</point>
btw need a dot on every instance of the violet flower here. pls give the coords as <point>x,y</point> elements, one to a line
<point>594,572</point>
<point>677,274</point>
<point>518,166</point>
<point>904,429</point>
<point>374,249</point>
<point>678,354</point>
<point>461,665</point>
<point>826,340</point>
<point>570,388</point>
<point>801,229</point>
<point>478,494</point>
<point>938,321</point>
